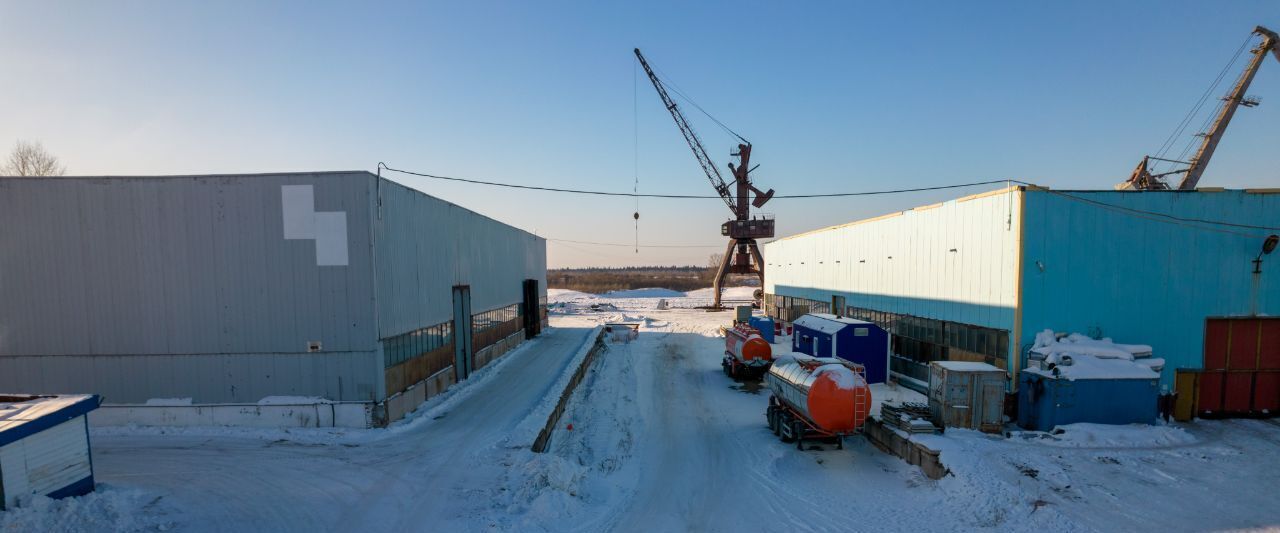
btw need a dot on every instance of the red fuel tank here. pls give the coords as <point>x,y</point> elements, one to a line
<point>744,343</point>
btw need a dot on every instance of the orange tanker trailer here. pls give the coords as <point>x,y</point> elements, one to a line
<point>746,353</point>
<point>816,397</point>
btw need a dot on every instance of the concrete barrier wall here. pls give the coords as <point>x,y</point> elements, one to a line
<point>401,404</point>
<point>593,346</point>
<point>315,415</point>
<point>492,352</point>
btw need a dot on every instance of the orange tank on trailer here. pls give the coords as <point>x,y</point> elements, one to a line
<point>747,354</point>
<point>745,344</point>
<point>812,396</point>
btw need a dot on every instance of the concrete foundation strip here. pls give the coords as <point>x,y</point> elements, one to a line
<point>893,442</point>
<point>594,345</point>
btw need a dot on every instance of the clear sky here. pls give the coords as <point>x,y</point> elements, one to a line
<point>839,96</point>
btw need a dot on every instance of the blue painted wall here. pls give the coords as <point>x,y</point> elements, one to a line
<point>1100,270</point>
<point>871,350</point>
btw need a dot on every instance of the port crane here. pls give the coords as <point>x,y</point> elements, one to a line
<point>743,254</point>
<point>1142,179</point>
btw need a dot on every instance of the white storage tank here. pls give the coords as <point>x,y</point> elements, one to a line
<point>44,447</point>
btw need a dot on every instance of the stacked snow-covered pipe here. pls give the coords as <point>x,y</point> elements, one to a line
<point>830,393</point>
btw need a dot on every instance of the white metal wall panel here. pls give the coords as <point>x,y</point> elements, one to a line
<point>905,263</point>
<point>425,246</point>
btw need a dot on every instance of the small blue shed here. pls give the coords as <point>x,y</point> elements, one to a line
<point>44,447</point>
<point>765,325</point>
<point>1047,399</point>
<point>859,341</point>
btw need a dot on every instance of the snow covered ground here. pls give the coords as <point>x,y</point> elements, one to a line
<point>661,440</point>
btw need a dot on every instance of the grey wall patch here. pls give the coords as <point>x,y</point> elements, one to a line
<point>301,221</point>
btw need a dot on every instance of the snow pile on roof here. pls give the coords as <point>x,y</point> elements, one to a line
<point>967,366</point>
<point>827,323</point>
<point>1084,366</point>
<point>1048,344</point>
<point>1077,356</point>
<point>16,410</point>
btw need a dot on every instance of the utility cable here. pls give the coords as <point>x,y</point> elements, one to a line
<point>682,196</point>
<point>1154,214</point>
<point>717,245</point>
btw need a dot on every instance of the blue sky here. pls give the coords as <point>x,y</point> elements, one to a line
<point>834,96</point>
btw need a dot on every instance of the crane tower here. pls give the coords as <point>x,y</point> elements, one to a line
<point>742,256</point>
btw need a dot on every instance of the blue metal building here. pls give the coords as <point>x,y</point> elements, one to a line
<point>858,341</point>
<point>974,279</point>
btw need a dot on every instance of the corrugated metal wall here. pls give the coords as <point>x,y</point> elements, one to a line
<point>425,246</point>
<point>212,287</point>
<point>952,261</point>
<point>141,288</point>
<point>1144,279</point>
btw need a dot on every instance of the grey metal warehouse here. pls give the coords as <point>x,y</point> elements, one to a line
<point>319,298</point>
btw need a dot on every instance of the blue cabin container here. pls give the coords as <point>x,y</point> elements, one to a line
<point>765,325</point>
<point>1045,400</point>
<point>824,335</point>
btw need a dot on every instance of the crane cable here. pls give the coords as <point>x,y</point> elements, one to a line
<point>1195,109</point>
<point>667,81</point>
<point>635,144</point>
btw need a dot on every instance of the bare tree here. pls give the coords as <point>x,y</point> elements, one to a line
<point>31,159</point>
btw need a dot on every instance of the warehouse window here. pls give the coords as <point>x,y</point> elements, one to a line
<point>915,341</point>
<point>491,326</point>
<point>406,346</point>
<point>494,318</point>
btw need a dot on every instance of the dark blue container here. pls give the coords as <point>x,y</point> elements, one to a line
<point>1048,401</point>
<point>765,325</point>
<point>859,341</point>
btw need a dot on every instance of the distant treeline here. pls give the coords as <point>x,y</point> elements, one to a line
<point>601,280</point>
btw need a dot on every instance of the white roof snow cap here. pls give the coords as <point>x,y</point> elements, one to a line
<point>828,323</point>
<point>966,366</point>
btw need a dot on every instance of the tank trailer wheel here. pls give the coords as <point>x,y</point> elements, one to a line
<point>785,427</point>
